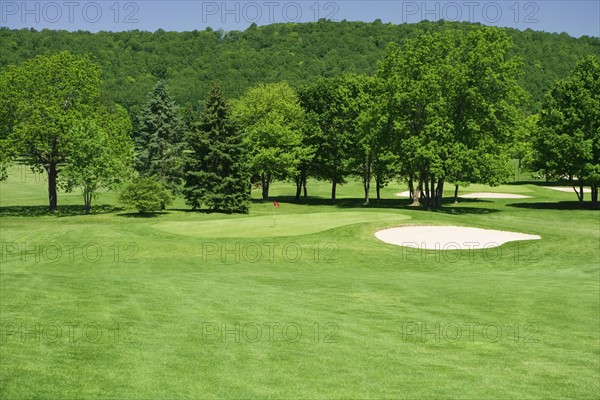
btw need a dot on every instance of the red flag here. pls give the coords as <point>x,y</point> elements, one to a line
<point>276,204</point>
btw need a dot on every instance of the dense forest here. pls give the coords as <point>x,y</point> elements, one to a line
<point>132,62</point>
<point>430,104</point>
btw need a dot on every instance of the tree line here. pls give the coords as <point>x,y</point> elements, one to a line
<point>191,62</point>
<point>442,108</point>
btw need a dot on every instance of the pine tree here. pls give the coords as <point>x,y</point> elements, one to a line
<point>216,173</point>
<point>159,141</point>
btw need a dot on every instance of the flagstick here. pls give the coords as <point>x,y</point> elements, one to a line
<point>275,205</point>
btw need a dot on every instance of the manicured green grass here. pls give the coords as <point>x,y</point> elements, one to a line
<point>172,305</point>
<point>278,225</point>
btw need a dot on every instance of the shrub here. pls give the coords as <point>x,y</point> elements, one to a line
<point>146,195</point>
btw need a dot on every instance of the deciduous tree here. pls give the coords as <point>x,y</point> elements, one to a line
<point>455,93</point>
<point>568,141</point>
<point>334,103</point>
<point>46,97</point>
<point>100,154</point>
<point>272,121</point>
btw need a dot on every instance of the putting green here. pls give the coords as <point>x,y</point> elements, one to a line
<point>285,224</point>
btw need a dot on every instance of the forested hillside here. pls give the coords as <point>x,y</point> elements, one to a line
<point>133,61</point>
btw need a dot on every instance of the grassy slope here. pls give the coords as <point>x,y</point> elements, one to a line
<point>362,293</point>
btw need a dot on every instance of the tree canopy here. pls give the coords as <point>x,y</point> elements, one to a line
<point>567,144</point>
<point>100,154</point>
<point>42,100</point>
<point>191,61</point>
<point>272,121</point>
<point>445,104</point>
<point>456,103</point>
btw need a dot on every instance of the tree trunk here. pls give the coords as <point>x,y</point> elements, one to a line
<point>440,193</point>
<point>333,190</point>
<point>378,188</point>
<point>52,197</point>
<point>304,178</point>
<point>427,197</point>
<point>367,180</point>
<point>456,194</point>
<point>87,199</point>
<point>304,184</point>
<point>594,196</point>
<point>411,189</point>
<point>416,194</point>
<point>432,193</point>
<point>265,180</point>
<point>579,193</point>
<point>298,187</point>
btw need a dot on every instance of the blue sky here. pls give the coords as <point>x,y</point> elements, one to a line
<point>577,18</point>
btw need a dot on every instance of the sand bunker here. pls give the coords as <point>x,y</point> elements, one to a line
<point>490,195</point>
<point>567,189</point>
<point>449,237</point>
<point>480,195</point>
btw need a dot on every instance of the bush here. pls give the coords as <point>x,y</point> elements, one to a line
<point>146,195</point>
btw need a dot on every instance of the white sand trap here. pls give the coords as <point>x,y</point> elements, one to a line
<point>567,189</point>
<point>449,237</point>
<point>490,195</point>
<point>403,194</point>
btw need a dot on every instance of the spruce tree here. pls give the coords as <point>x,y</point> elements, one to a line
<point>217,174</point>
<point>159,140</point>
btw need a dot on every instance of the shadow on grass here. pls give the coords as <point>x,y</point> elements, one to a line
<point>557,205</point>
<point>190,211</point>
<point>63,211</point>
<point>457,210</point>
<point>142,215</point>
<point>207,211</point>
<point>536,183</point>
<point>448,205</point>
<point>339,203</point>
<point>548,184</point>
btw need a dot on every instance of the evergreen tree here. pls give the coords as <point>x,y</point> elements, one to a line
<point>159,141</point>
<point>216,173</point>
